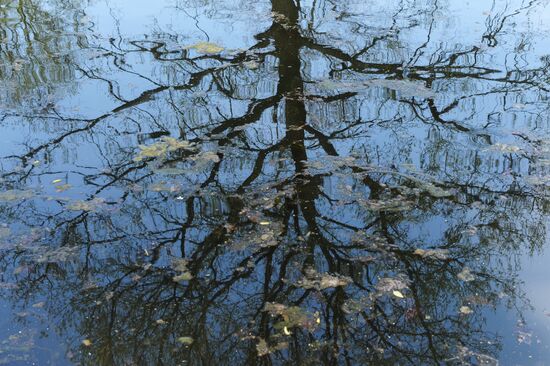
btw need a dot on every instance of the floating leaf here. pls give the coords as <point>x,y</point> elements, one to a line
<point>185,340</point>
<point>391,284</point>
<point>465,275</point>
<point>90,205</point>
<point>180,265</point>
<point>87,342</point>
<point>58,255</point>
<point>398,294</point>
<point>441,254</point>
<point>466,310</point>
<point>293,316</point>
<point>15,195</point>
<point>262,347</point>
<point>186,276</point>
<point>434,190</point>
<point>162,148</point>
<point>62,187</point>
<point>391,204</point>
<point>164,187</point>
<point>323,281</point>
<point>206,48</point>
<point>203,159</point>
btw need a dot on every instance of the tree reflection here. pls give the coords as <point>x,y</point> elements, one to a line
<point>268,223</point>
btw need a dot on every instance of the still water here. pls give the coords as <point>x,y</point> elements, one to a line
<point>284,182</point>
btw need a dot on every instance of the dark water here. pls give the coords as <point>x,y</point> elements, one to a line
<point>275,183</point>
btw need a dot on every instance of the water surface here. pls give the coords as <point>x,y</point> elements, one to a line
<point>274,183</point>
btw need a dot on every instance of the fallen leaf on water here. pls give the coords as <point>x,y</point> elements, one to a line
<point>206,48</point>
<point>465,275</point>
<point>286,331</point>
<point>89,205</point>
<point>262,348</point>
<point>321,281</point>
<point>465,310</point>
<point>62,187</point>
<point>87,342</point>
<point>432,253</point>
<point>185,340</point>
<point>387,284</point>
<point>186,276</point>
<point>398,294</point>
<point>57,181</point>
<point>162,148</point>
<point>15,195</point>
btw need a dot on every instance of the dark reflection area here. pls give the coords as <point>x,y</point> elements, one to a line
<point>312,199</point>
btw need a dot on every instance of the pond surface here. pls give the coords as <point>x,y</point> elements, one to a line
<point>322,182</point>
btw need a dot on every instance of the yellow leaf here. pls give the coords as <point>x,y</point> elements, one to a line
<point>286,331</point>
<point>87,342</point>
<point>57,181</point>
<point>420,252</point>
<point>185,340</point>
<point>398,294</point>
<point>264,223</point>
<point>185,276</point>
<point>207,48</point>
